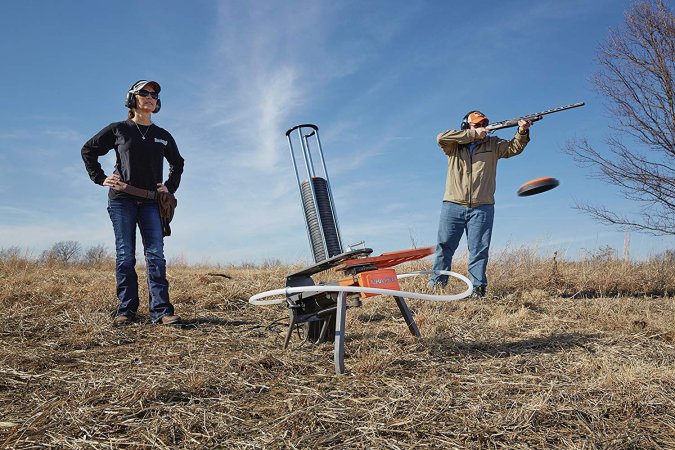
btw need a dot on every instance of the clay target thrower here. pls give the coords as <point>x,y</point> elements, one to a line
<point>317,311</point>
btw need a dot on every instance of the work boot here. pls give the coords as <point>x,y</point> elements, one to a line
<point>119,321</point>
<point>478,292</point>
<point>169,320</point>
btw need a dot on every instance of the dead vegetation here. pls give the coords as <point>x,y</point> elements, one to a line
<point>563,355</point>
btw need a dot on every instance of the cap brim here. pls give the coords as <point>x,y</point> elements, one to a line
<point>155,85</point>
<point>475,119</point>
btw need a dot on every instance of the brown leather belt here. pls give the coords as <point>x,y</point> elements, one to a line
<point>137,192</point>
<point>165,200</point>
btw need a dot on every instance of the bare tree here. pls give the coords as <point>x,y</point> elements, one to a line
<point>636,76</point>
<point>10,253</point>
<point>65,251</point>
<point>97,254</point>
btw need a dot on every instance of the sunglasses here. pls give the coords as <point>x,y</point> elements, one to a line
<point>144,93</point>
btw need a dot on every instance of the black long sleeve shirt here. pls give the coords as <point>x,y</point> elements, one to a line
<point>140,162</point>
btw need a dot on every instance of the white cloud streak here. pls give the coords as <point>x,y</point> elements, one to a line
<point>268,69</point>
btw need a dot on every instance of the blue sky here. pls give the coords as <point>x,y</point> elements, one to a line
<point>379,78</point>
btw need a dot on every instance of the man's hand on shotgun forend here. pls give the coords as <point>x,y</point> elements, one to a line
<point>523,126</point>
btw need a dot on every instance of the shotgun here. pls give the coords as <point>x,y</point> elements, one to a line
<point>532,117</point>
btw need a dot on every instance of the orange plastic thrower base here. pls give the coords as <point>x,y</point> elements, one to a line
<point>380,276</point>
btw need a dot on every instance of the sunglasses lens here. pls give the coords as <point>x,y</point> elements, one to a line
<point>144,93</point>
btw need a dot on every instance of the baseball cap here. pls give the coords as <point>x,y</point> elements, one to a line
<point>475,117</point>
<point>140,84</point>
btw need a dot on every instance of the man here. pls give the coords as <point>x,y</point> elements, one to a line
<point>468,203</point>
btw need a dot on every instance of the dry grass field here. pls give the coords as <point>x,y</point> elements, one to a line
<point>563,354</point>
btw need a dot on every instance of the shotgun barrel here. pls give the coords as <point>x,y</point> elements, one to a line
<point>532,117</point>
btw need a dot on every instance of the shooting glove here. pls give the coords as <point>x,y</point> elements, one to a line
<point>167,205</point>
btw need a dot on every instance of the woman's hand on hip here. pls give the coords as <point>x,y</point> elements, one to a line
<point>112,180</point>
<point>162,188</point>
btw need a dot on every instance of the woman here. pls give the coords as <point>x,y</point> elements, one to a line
<point>140,147</point>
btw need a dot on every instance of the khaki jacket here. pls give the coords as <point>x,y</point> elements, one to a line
<point>472,178</point>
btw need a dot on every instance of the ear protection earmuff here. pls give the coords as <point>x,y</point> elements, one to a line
<point>130,100</point>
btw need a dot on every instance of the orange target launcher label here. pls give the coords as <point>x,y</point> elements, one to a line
<point>380,279</point>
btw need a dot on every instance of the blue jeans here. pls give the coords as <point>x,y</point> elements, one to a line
<point>477,223</point>
<point>125,214</point>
